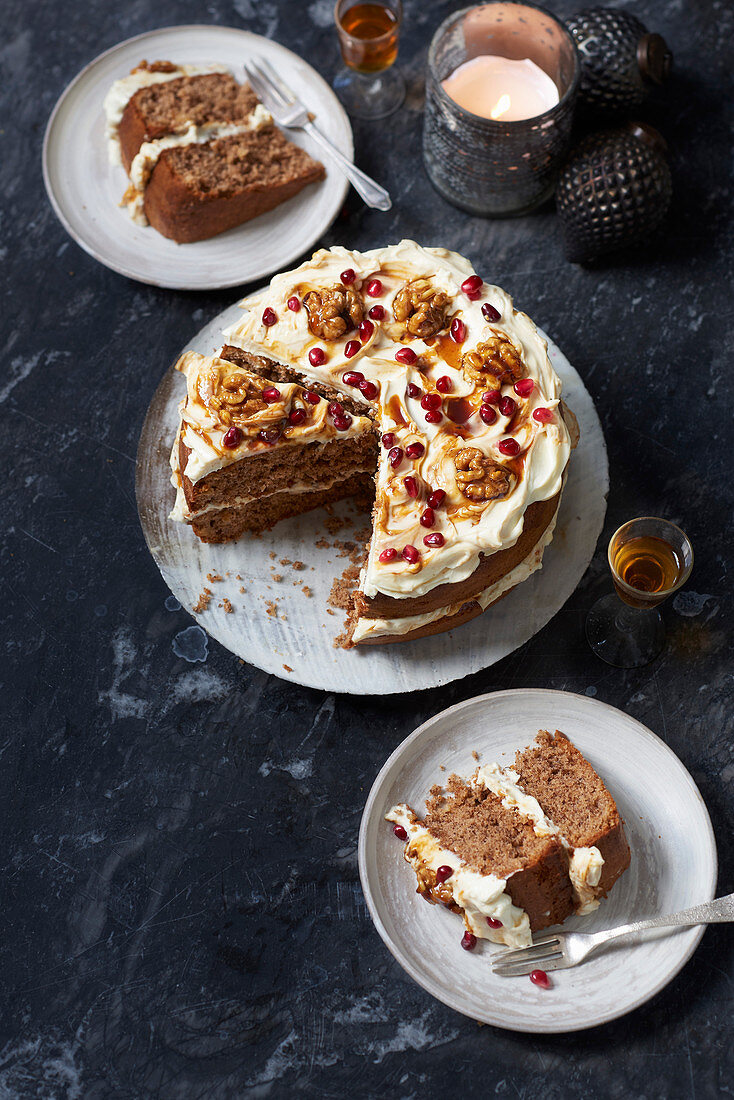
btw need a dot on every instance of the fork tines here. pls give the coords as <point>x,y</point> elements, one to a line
<point>545,953</point>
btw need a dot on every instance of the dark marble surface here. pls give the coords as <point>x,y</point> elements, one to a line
<point>181,909</point>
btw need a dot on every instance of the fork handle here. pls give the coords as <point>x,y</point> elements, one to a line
<point>711,912</point>
<point>364,185</point>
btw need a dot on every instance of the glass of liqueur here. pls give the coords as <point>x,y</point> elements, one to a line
<point>368,36</point>
<point>650,559</point>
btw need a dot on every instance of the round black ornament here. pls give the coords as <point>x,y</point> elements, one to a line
<point>620,60</point>
<point>614,191</point>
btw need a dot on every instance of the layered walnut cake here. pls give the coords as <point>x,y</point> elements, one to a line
<point>401,366</point>
<point>516,850</point>
<point>201,151</point>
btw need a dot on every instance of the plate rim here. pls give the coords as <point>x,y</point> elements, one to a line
<point>119,267</point>
<point>445,997</point>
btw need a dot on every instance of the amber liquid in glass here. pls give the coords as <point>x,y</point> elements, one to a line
<point>648,564</point>
<point>372,42</point>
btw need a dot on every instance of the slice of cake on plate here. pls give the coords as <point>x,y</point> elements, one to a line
<point>201,151</point>
<point>489,849</point>
<point>474,438</point>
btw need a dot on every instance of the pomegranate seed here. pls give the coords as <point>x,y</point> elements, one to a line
<point>543,416</point>
<point>491,397</point>
<point>374,288</point>
<point>443,872</point>
<point>406,355</point>
<point>488,414</point>
<point>524,387</point>
<point>509,447</point>
<point>437,497</point>
<point>507,406</point>
<point>472,287</point>
<point>411,486</point>
<point>490,312</point>
<point>335,409</point>
<point>269,435</point>
<point>296,416</point>
<point>311,397</point>
<point>539,977</point>
<point>431,401</point>
<point>351,348</point>
<point>494,923</point>
<point>377,313</point>
<point>399,831</point>
<point>341,423</point>
<point>428,518</point>
<point>352,378</point>
<point>366,329</point>
<point>348,276</point>
<point>395,457</point>
<point>411,554</point>
<point>388,439</point>
<point>414,450</point>
<point>369,389</point>
<point>444,384</point>
<point>458,330</point>
<point>271,394</point>
<point>232,438</point>
<point>468,941</point>
<point>412,390</point>
<point>433,417</point>
<point>317,357</point>
<point>434,539</point>
<point>269,317</point>
<point>390,555</point>
<point>294,304</point>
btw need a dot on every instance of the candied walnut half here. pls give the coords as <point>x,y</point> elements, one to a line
<point>421,308</point>
<point>333,311</point>
<point>493,363</point>
<point>236,398</point>
<point>155,67</point>
<point>478,477</point>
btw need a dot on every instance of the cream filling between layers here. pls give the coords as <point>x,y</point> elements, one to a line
<point>377,628</point>
<point>123,90</point>
<point>481,529</point>
<point>478,895</point>
<point>150,153</point>
<point>585,864</point>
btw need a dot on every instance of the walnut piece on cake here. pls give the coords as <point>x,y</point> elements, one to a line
<point>333,311</point>
<point>493,362</point>
<point>421,308</point>
<point>478,477</point>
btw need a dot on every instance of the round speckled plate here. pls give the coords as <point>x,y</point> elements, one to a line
<point>85,190</point>
<point>667,825</point>
<point>274,626</point>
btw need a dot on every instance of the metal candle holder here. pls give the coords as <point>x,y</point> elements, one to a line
<point>489,167</point>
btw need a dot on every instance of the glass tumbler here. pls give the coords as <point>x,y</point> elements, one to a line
<point>492,167</point>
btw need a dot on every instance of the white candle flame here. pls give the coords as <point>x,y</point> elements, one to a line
<point>501,107</point>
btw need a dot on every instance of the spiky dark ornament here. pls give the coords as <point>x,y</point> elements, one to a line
<point>614,191</point>
<point>620,60</point>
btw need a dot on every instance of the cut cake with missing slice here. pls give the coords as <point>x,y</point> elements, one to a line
<point>515,852</point>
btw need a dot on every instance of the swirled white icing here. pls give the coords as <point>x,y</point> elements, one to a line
<point>469,529</point>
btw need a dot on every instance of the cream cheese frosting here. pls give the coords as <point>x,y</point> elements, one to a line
<point>124,89</point>
<point>468,529</point>
<point>478,895</point>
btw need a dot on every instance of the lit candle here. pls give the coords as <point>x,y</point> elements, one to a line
<point>501,89</point>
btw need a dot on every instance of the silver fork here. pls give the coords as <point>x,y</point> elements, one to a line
<point>560,950</point>
<point>288,111</point>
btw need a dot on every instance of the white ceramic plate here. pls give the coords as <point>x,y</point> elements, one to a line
<point>667,825</point>
<point>303,640</point>
<point>85,189</point>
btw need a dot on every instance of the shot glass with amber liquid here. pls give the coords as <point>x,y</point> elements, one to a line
<point>650,559</point>
<point>369,86</point>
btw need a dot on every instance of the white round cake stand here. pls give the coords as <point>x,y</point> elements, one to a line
<point>280,629</point>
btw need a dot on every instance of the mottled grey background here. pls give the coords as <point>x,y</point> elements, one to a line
<point>181,910</point>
